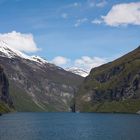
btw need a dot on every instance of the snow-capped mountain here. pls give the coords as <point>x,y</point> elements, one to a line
<point>6,51</point>
<point>38,59</point>
<point>78,71</point>
<point>35,84</point>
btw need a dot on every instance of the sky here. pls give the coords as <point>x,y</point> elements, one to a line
<point>71,33</point>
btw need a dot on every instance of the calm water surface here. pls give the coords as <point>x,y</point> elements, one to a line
<point>69,126</point>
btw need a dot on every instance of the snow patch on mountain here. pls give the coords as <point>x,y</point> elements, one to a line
<point>9,52</point>
<point>38,59</point>
<point>78,71</point>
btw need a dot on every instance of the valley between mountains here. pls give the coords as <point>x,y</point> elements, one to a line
<point>37,85</point>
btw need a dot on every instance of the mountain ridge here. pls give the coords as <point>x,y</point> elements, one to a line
<point>116,83</point>
<point>12,53</point>
<point>35,84</point>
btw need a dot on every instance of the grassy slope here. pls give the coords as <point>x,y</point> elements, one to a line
<point>4,108</point>
<point>38,77</point>
<point>131,63</point>
<point>127,106</point>
<point>21,100</point>
<point>24,103</point>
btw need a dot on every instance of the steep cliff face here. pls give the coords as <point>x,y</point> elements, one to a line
<point>5,100</point>
<point>113,87</point>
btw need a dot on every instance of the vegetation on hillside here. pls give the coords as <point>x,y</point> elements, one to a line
<point>113,87</point>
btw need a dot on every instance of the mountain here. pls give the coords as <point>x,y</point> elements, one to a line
<point>112,87</point>
<point>6,51</point>
<point>35,84</point>
<point>78,71</point>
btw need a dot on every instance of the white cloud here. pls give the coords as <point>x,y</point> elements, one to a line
<point>60,60</point>
<point>80,21</point>
<point>123,14</point>
<point>88,63</point>
<point>19,41</point>
<point>85,62</point>
<point>101,3</point>
<point>96,21</point>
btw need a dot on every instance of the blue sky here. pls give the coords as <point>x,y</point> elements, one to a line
<point>69,30</point>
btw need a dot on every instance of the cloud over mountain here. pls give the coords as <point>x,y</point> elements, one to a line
<point>87,62</point>
<point>20,41</point>
<point>84,62</point>
<point>60,60</point>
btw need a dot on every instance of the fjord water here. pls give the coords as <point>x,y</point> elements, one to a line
<point>69,126</point>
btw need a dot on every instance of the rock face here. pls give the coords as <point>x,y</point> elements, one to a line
<point>4,86</point>
<point>4,92</point>
<point>37,85</point>
<point>113,87</point>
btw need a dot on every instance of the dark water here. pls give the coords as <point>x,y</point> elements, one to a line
<point>69,126</point>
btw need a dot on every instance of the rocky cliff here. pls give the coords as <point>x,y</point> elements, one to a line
<point>113,87</point>
<point>5,100</point>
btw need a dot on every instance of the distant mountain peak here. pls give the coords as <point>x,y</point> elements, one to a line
<point>78,71</point>
<point>7,51</point>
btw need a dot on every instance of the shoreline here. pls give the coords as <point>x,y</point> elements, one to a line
<point>137,113</point>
